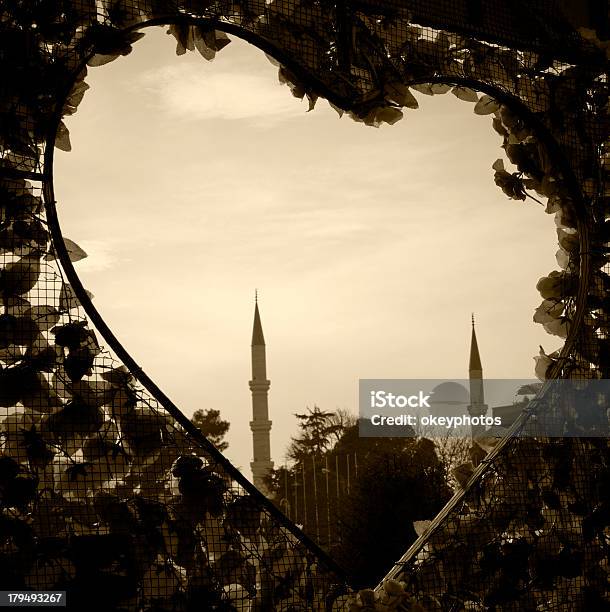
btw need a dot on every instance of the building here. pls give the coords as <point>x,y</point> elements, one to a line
<point>477,406</point>
<point>260,425</point>
<point>453,398</point>
<point>508,413</point>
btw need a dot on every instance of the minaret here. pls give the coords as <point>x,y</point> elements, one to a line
<point>477,406</point>
<point>260,423</point>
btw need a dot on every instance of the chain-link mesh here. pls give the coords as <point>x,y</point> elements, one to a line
<point>110,494</point>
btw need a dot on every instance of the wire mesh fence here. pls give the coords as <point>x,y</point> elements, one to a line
<point>312,491</point>
<point>110,494</point>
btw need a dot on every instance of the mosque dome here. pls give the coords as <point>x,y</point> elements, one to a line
<point>450,393</point>
<point>448,398</point>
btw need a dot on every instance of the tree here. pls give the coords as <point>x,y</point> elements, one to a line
<point>316,431</point>
<point>358,497</point>
<point>400,480</point>
<point>212,427</point>
<point>342,419</point>
<point>453,451</point>
<point>301,490</point>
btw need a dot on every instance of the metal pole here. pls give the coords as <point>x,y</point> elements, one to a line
<point>327,501</point>
<point>337,477</point>
<point>315,497</point>
<point>296,495</point>
<point>286,488</point>
<point>339,539</point>
<point>304,497</point>
<point>348,473</point>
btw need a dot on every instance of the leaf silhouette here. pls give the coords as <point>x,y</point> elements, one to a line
<point>115,512</point>
<point>94,393</point>
<point>8,329</point>
<point>151,514</point>
<point>244,514</point>
<point>9,469</point>
<point>75,418</point>
<point>463,472</point>
<point>424,88</point>
<point>12,355</point>
<point>185,465</point>
<point>91,553</point>
<point>202,490</point>
<point>15,382</point>
<point>48,573</point>
<point>78,362</point>
<point>556,285</point>
<point>24,236</point>
<point>233,568</point>
<point>79,470</point>
<point>440,88</point>
<point>12,528</point>
<point>43,358</point>
<point>100,59</point>
<point>12,430</point>
<point>160,581</point>
<point>71,335</point>
<point>548,311</point>
<point>45,317</point>
<point>62,138</point>
<point>38,451</point>
<point>119,376</point>
<point>43,398</point>
<point>27,333</point>
<point>96,447</point>
<point>75,253</point>
<point>109,40</point>
<point>543,363</point>
<point>486,106</point>
<point>511,184</point>
<point>67,298</point>
<point>421,526</point>
<point>20,276</point>
<point>465,93</point>
<point>18,492</point>
<point>400,94</point>
<point>17,306</point>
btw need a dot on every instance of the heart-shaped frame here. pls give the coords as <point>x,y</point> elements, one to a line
<point>97,458</point>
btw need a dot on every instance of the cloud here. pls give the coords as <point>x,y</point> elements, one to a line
<point>193,93</point>
<point>101,255</point>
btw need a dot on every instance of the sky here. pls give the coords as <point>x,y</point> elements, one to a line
<point>191,183</point>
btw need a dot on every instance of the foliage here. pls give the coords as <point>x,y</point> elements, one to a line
<point>393,489</point>
<point>212,427</point>
<point>100,490</point>
<point>452,452</point>
<point>364,518</point>
<point>317,429</point>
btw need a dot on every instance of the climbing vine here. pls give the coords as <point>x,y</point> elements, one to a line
<point>105,486</point>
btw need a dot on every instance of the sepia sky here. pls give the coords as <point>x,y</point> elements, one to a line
<point>192,183</point>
